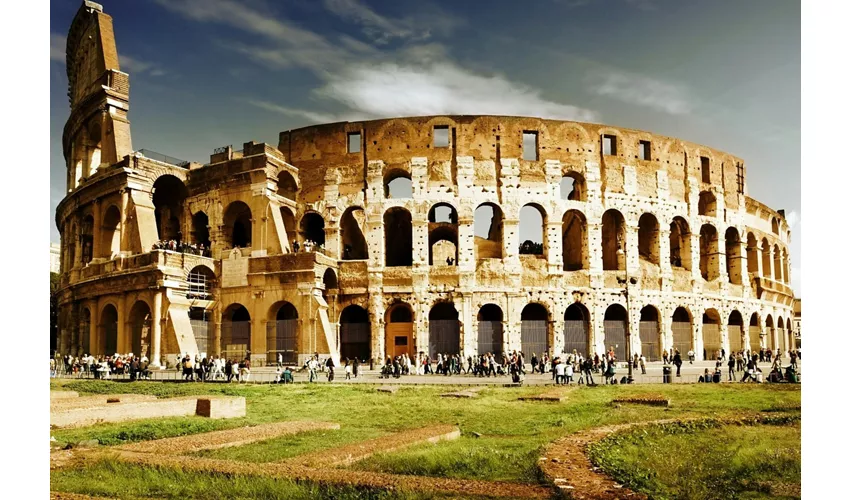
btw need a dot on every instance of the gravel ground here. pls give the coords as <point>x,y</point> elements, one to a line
<point>373,480</point>
<point>96,401</point>
<point>347,455</point>
<point>225,438</point>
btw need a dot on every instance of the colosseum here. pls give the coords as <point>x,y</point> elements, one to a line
<point>375,238</point>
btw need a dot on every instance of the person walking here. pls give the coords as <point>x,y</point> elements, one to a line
<point>312,365</point>
<point>642,364</point>
<point>677,360</point>
<point>731,365</point>
<point>329,364</point>
<point>666,357</point>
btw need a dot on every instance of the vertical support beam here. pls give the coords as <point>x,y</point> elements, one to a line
<point>125,198</point>
<point>156,329</point>
<point>96,206</point>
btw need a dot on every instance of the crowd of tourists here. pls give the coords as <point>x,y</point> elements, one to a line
<point>183,247</point>
<point>101,367</point>
<point>307,247</point>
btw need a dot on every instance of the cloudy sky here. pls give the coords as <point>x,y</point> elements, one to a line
<point>207,73</point>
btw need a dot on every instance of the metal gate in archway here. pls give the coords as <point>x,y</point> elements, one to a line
<point>711,340</point>
<point>575,337</point>
<point>490,337</point>
<point>443,337</point>
<point>534,337</point>
<point>354,340</point>
<point>755,339</point>
<point>615,336</point>
<point>682,337</point>
<point>649,340</point>
<point>280,339</point>
<point>736,340</point>
<point>235,339</point>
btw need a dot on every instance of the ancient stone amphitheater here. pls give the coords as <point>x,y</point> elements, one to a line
<point>408,237</point>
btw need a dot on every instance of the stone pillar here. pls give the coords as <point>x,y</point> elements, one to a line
<point>554,250</point>
<point>421,249</point>
<point>724,334</point>
<point>510,240</point>
<point>376,315</point>
<point>594,247</point>
<point>125,198</point>
<point>94,330</point>
<point>664,251</point>
<point>769,273</point>
<point>156,330</point>
<point>721,258</point>
<point>77,241</point>
<point>121,340</point>
<point>96,229</point>
<point>216,347</point>
<point>633,262</point>
<point>466,244</point>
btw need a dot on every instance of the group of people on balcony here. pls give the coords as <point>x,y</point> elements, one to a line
<point>311,246</point>
<point>182,247</point>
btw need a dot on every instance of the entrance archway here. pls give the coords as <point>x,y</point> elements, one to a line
<point>109,330</point>
<point>235,332</point>
<point>443,330</point>
<point>169,192</point>
<point>683,332</point>
<point>650,333</point>
<point>577,330</point>
<point>755,334</point>
<point>282,333</point>
<point>140,328</point>
<point>398,237</point>
<point>736,332</point>
<point>711,342</point>
<point>534,333</point>
<point>237,225</point>
<point>491,330</point>
<point>399,330</point>
<point>769,343</point>
<point>613,233</point>
<point>355,334</point>
<point>615,330</point>
<point>574,241</point>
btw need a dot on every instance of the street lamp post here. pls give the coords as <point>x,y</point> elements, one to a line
<point>622,249</point>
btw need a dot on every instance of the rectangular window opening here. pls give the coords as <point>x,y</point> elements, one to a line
<point>644,151</point>
<point>740,178</point>
<point>609,145</point>
<point>706,169</point>
<point>354,142</point>
<point>529,145</point>
<point>441,136</point>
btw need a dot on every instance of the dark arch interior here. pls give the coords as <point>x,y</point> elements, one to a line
<point>398,237</point>
<point>443,310</point>
<point>648,238</point>
<point>574,229</point>
<point>286,185</point>
<point>354,314</point>
<point>354,245</point>
<point>534,312</point>
<point>488,228</point>
<point>613,233</point>
<point>313,228</point>
<point>649,313</point>
<point>287,311</point>
<point>736,319</point>
<point>615,312</point>
<point>754,319</point>
<point>330,280</point>
<point>200,229</point>
<point>576,312</point>
<point>169,192</point>
<point>401,313</point>
<point>237,222</point>
<point>238,312</point>
<point>711,317</point>
<point>490,312</point>
<point>680,315</point>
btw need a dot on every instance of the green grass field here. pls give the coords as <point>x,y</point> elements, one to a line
<point>680,461</point>
<point>512,433</point>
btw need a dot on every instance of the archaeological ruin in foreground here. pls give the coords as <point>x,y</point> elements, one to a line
<point>408,238</point>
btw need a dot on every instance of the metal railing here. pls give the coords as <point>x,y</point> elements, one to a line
<point>153,155</point>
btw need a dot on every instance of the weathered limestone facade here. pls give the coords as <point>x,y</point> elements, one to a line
<point>653,225</point>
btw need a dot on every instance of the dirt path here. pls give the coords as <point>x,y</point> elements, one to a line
<point>239,436</point>
<point>341,477</point>
<point>354,452</point>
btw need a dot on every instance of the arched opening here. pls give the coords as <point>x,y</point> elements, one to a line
<point>752,254</point>
<point>648,245</point>
<point>733,256</point>
<point>286,185</point>
<point>237,225</point>
<point>289,226</point>
<point>398,237</point>
<point>110,233</point>
<point>765,259</point>
<point>355,334</point>
<point>777,264</point>
<point>615,325</point>
<point>683,333</point>
<point>532,230</point>
<point>650,333</point>
<point>200,283</point>
<point>488,221</point>
<point>397,184</point>
<point>399,330</point>
<point>534,332</point>
<point>282,333</point>
<point>87,239</point>
<point>613,236</point>
<point>577,330</point>
<point>168,195</point>
<point>351,237</point>
<point>330,281</point>
<point>769,343</point>
<point>574,226</point>
<point>70,245</point>
<point>443,330</point>
<point>707,204</point>
<point>786,267</point>
<point>201,231</point>
<point>491,337</point>
<point>736,332</point>
<point>711,341</point>
<point>235,332</point>
<point>199,318</point>
<point>109,330</point>
<point>680,244</point>
<point>774,225</point>
<point>780,334</point>
<point>442,235</point>
<point>573,187</point>
<point>755,333</point>
<point>140,328</point>
<point>84,330</point>
<point>312,231</point>
<point>709,263</point>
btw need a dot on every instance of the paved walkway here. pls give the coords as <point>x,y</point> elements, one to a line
<point>654,375</point>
